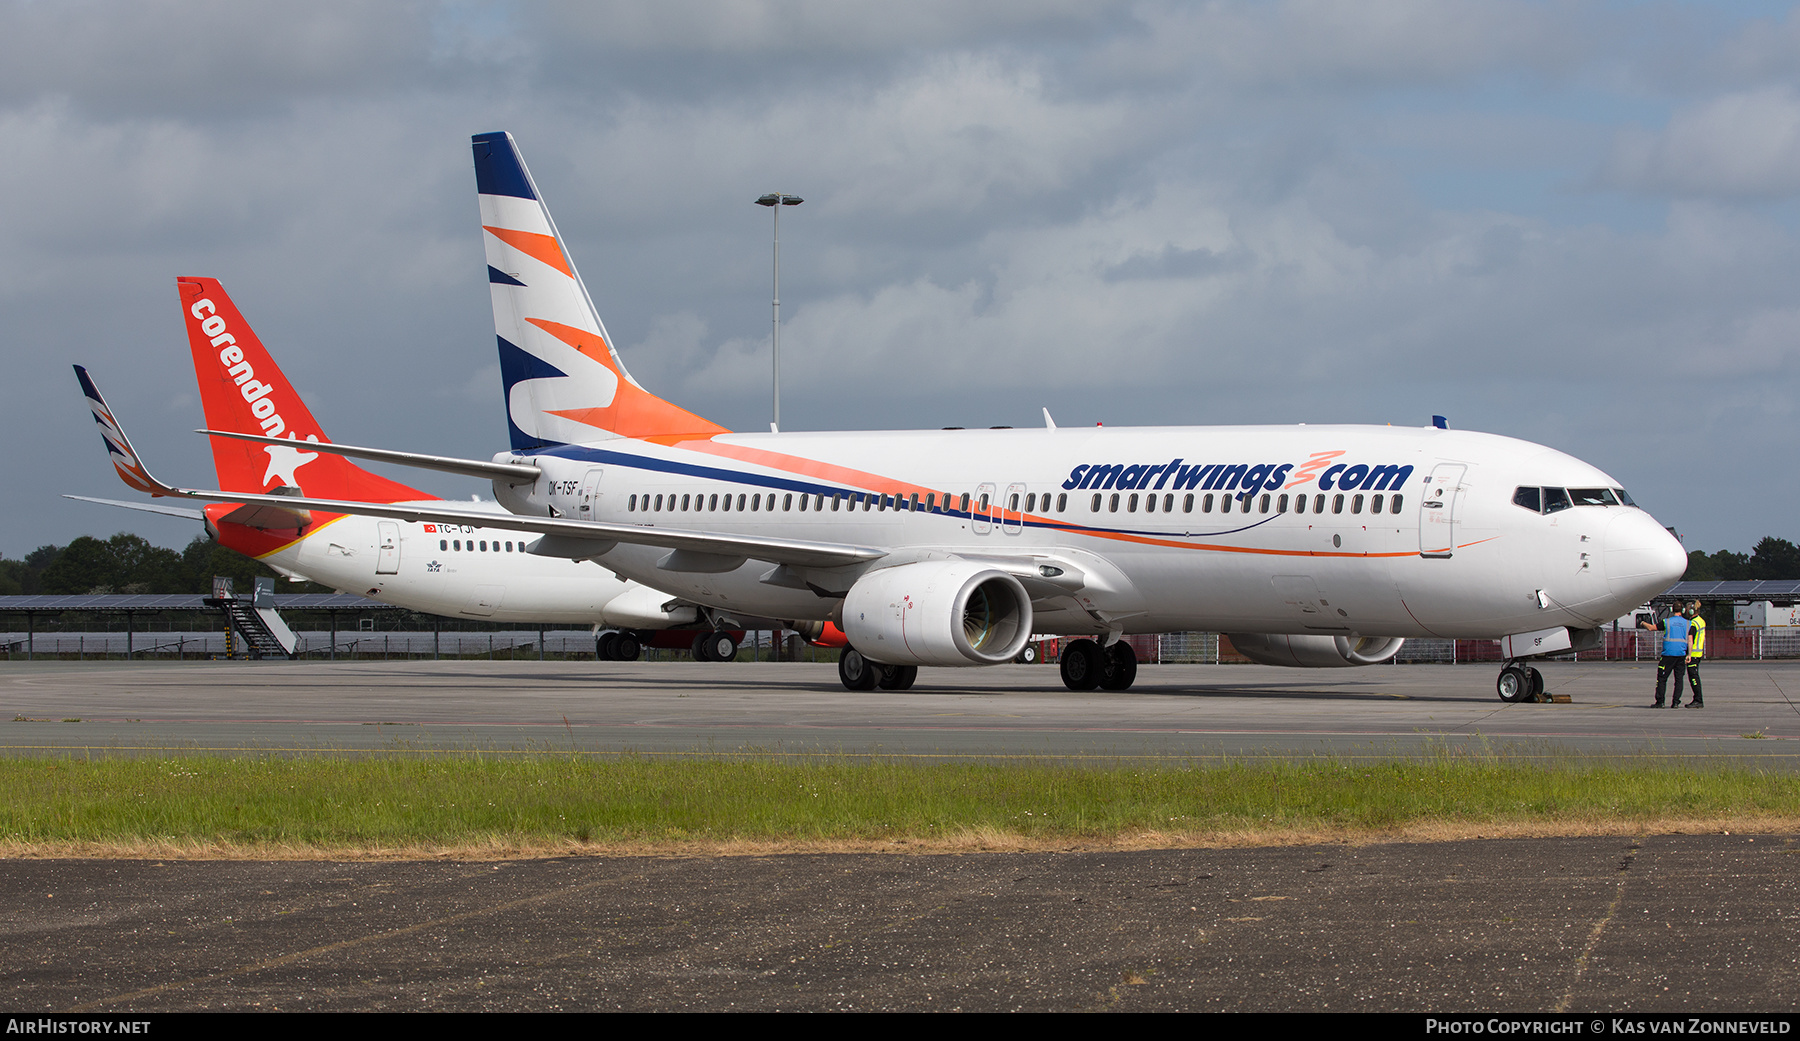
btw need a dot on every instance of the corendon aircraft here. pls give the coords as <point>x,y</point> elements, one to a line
<point>448,568</point>
<point>1312,546</point>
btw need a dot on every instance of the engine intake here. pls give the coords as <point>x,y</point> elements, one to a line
<point>938,612</point>
<point>1315,652</point>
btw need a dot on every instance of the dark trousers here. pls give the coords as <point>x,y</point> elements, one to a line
<point>1669,664</point>
<point>1693,678</point>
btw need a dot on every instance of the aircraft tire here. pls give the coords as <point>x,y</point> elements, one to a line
<point>1513,684</point>
<point>1029,655</point>
<point>1537,684</point>
<point>606,647</point>
<point>856,672</point>
<point>899,677</point>
<point>720,647</point>
<point>1118,667</point>
<point>1081,665</point>
<point>627,647</point>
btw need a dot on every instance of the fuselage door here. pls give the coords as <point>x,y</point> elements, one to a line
<point>1437,513</point>
<point>1012,505</point>
<point>387,548</point>
<point>981,517</point>
<point>588,506</point>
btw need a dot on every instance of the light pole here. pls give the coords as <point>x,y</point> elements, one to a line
<point>775,201</point>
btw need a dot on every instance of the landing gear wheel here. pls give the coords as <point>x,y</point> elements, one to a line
<point>857,672</point>
<point>1029,655</point>
<point>606,648</point>
<point>720,647</point>
<point>1081,665</point>
<point>899,677</point>
<point>627,647</point>
<point>1537,684</point>
<point>1118,667</point>
<point>1514,684</point>
<point>702,647</point>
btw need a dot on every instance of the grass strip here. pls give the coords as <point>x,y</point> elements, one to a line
<point>465,804</point>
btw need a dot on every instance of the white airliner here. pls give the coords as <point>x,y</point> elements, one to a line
<point>1309,545</point>
<point>452,568</point>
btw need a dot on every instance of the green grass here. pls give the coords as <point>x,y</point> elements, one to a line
<point>449,801</point>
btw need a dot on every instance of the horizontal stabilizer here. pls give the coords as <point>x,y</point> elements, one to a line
<point>146,507</point>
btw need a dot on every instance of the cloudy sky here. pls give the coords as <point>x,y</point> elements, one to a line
<point>1572,223</point>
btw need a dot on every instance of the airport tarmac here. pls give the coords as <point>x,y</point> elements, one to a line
<point>1694,923</point>
<point>1174,711</point>
<point>1688,924</point>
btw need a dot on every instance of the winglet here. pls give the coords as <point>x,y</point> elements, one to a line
<point>125,459</point>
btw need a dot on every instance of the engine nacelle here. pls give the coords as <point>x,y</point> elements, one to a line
<point>938,612</point>
<point>1315,652</point>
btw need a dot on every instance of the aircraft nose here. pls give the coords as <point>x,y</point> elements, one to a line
<point>1642,558</point>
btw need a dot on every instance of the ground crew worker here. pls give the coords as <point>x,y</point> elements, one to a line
<point>1696,650</point>
<point>1674,654</point>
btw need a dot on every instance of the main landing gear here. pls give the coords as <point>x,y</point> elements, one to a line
<point>715,646</point>
<point>859,673</point>
<point>617,646</point>
<point>1086,665</point>
<point>1519,683</point>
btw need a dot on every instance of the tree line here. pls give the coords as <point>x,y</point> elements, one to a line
<point>1772,558</point>
<point>128,563</point>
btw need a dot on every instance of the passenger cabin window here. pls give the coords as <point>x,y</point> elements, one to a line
<point>1062,501</point>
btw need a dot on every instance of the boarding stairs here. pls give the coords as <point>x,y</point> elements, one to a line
<point>254,618</point>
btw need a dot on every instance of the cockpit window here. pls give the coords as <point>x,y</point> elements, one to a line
<point>1555,500</point>
<point>1593,497</point>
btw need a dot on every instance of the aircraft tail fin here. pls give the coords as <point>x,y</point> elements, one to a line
<point>243,390</point>
<point>564,382</point>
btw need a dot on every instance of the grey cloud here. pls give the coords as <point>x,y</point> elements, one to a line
<point>1739,145</point>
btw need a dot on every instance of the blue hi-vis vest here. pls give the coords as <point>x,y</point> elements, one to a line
<point>1675,636</point>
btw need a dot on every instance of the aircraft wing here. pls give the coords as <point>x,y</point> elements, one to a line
<point>706,551</point>
<point>564,537</point>
<point>516,473</point>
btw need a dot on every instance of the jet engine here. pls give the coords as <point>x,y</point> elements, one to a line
<point>1315,652</point>
<point>938,612</point>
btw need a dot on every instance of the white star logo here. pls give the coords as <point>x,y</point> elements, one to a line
<point>283,461</point>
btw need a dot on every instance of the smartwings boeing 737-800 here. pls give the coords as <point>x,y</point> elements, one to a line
<point>1309,545</point>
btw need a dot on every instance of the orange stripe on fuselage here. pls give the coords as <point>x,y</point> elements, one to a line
<point>530,243</point>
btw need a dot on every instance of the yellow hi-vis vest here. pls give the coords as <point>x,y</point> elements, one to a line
<point>1697,638</point>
